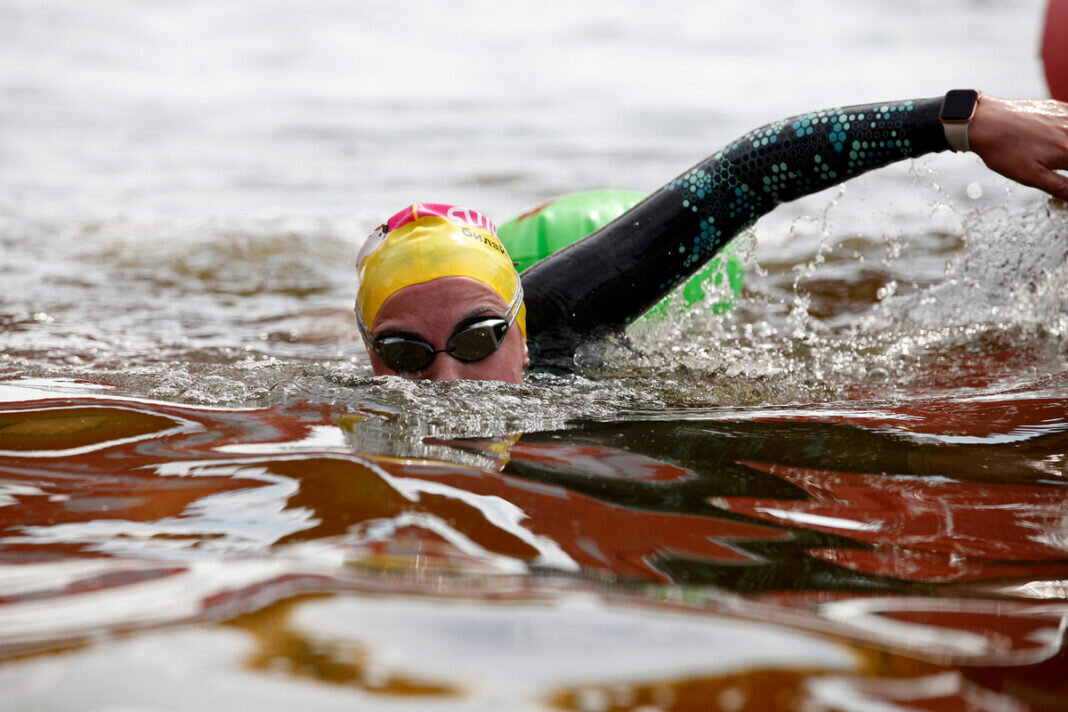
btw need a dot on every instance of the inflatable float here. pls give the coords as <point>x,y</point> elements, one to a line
<point>1055,49</point>
<point>554,225</point>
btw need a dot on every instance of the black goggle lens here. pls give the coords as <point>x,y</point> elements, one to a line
<point>471,343</point>
<point>477,341</point>
<point>404,354</point>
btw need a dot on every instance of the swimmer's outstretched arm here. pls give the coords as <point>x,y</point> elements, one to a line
<point>602,283</point>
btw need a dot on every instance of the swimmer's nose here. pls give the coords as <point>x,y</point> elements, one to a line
<point>445,368</point>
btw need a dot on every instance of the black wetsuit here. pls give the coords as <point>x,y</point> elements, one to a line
<point>608,279</point>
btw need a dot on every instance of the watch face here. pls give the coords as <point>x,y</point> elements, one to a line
<point>958,105</point>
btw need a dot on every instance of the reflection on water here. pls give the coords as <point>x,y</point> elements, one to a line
<point>932,532</point>
<point>280,649</point>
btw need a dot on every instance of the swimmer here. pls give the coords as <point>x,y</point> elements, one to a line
<point>440,299</point>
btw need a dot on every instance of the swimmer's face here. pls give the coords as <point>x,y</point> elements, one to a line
<point>432,312</point>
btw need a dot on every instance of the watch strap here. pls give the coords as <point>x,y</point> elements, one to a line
<point>957,135</point>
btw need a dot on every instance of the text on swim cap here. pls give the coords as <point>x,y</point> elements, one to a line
<point>484,240</point>
<point>471,217</point>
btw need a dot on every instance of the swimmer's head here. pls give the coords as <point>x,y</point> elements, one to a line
<point>430,273</point>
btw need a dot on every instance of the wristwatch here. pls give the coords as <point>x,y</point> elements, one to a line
<point>956,114</point>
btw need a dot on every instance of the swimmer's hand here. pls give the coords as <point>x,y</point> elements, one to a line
<point>1023,139</point>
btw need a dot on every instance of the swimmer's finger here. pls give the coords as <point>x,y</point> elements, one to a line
<point>1056,181</point>
<point>1056,184</point>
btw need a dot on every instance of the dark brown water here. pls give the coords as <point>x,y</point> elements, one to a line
<point>842,555</point>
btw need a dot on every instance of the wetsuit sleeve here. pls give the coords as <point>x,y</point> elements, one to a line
<point>605,281</point>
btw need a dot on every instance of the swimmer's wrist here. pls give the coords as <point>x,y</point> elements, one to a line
<point>992,129</point>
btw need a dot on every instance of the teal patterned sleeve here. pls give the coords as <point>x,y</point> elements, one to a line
<point>603,282</point>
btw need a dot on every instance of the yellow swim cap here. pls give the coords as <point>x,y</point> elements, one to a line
<point>427,241</point>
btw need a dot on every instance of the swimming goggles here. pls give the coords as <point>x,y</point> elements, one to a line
<point>472,342</point>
